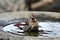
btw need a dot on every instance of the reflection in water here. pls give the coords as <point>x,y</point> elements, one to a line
<point>51,29</point>
<point>31,33</point>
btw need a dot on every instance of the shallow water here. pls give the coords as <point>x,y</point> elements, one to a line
<point>51,29</point>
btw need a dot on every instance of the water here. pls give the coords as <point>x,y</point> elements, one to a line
<point>51,29</point>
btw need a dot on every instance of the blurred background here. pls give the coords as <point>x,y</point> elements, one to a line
<point>29,5</point>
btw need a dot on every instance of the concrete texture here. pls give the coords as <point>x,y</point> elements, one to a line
<point>26,14</point>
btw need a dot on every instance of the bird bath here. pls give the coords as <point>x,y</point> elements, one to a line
<point>51,29</point>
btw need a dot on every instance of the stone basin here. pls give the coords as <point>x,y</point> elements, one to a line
<point>52,30</point>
